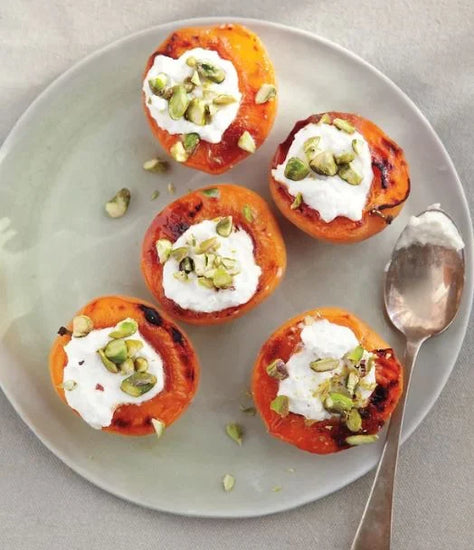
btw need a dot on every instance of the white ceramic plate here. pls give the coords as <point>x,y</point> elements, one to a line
<point>83,139</point>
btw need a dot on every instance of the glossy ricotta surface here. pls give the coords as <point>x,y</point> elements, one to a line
<point>191,295</point>
<point>177,70</point>
<point>330,195</point>
<point>97,392</point>
<point>432,227</point>
<point>320,340</point>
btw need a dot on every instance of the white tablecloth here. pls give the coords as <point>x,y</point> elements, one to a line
<point>427,48</point>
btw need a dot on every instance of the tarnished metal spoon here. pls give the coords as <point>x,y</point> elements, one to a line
<point>423,287</point>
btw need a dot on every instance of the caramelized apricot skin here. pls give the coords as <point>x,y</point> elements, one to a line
<point>180,362</point>
<point>327,436</point>
<point>177,217</point>
<point>389,191</point>
<point>254,68</point>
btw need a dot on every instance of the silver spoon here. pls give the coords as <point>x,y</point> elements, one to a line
<point>423,287</point>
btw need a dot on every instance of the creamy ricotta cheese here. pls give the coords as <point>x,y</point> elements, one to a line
<point>432,227</point>
<point>177,70</point>
<point>97,392</point>
<point>331,196</point>
<point>190,294</point>
<point>321,340</point>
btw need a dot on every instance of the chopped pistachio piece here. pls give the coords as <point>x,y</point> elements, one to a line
<point>158,83</point>
<point>206,283</point>
<point>117,206</point>
<point>277,369</point>
<point>209,244</point>
<point>344,158</point>
<point>179,253</point>
<point>349,175</point>
<point>156,165</point>
<point>228,482</point>
<point>265,93</point>
<point>138,383</point>
<point>323,163</point>
<point>277,488</point>
<point>178,152</point>
<point>68,385</point>
<point>343,125</point>
<point>235,432</point>
<point>196,112</point>
<point>356,354</point>
<point>210,72</point>
<point>163,249</point>
<point>195,79</point>
<point>297,202</point>
<point>171,189</point>
<point>190,142</point>
<point>178,102</point>
<point>338,402</point>
<point>361,439</point>
<point>221,278</point>
<point>231,265</point>
<point>159,427</point>
<point>224,226</point>
<point>81,326</point>
<point>352,381</point>
<point>181,276</point>
<point>186,265</point>
<point>323,365</point>
<point>247,212</point>
<point>223,99</point>
<point>355,147</point>
<point>125,328</point>
<point>212,192</point>
<point>127,367</point>
<point>108,364</point>
<point>281,405</point>
<point>311,146</point>
<point>354,421</point>
<point>140,364</point>
<point>247,143</point>
<point>191,61</point>
<point>116,351</point>
<point>155,195</point>
<point>325,119</point>
<point>296,169</point>
<point>133,347</point>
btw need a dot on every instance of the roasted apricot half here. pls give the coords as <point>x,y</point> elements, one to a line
<point>339,178</point>
<point>325,381</point>
<point>124,367</point>
<point>213,255</point>
<point>209,94</point>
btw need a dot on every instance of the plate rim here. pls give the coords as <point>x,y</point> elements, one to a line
<point>469,237</point>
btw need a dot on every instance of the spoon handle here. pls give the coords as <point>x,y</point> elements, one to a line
<point>375,527</point>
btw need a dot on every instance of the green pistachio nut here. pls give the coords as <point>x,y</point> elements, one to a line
<point>222,279</point>
<point>140,364</point>
<point>281,405</point>
<point>354,421</point>
<point>125,328</point>
<point>210,72</point>
<point>179,253</point>
<point>324,164</point>
<point>235,432</point>
<point>345,157</point>
<point>116,351</point>
<point>108,364</point>
<point>127,367</point>
<point>349,175</point>
<point>338,402</point>
<point>156,165</point>
<point>196,112</point>
<point>117,206</point>
<point>133,347</point>
<point>297,201</point>
<point>157,84</point>
<point>178,152</point>
<point>223,99</point>
<point>190,142</point>
<point>296,169</point>
<point>265,93</point>
<point>361,439</point>
<point>323,365</point>
<point>163,249</point>
<point>343,125</point>
<point>311,147</point>
<point>277,369</point>
<point>138,383</point>
<point>247,143</point>
<point>81,326</point>
<point>178,102</point>
<point>224,226</point>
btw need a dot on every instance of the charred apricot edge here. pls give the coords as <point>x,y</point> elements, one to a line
<point>180,362</point>
<point>170,223</point>
<point>327,436</point>
<point>389,191</point>
<point>254,68</point>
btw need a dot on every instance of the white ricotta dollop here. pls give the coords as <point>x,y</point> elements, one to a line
<point>190,294</point>
<point>97,392</point>
<point>177,71</point>
<point>320,340</point>
<point>432,227</point>
<point>331,196</point>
